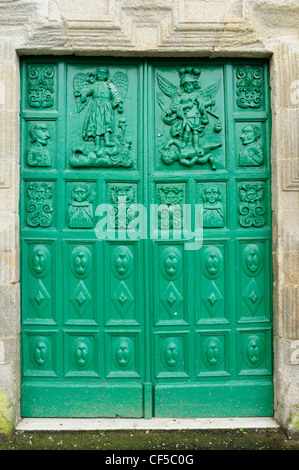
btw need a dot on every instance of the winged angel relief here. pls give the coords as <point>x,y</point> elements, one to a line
<point>188,116</point>
<point>102,97</point>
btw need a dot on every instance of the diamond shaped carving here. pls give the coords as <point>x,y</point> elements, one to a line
<point>253,296</point>
<point>40,298</point>
<point>81,298</point>
<point>122,299</point>
<point>212,299</point>
<point>171,299</point>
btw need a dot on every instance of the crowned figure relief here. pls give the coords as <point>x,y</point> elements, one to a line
<point>189,114</point>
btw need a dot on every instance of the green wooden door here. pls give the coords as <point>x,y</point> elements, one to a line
<point>146,238</point>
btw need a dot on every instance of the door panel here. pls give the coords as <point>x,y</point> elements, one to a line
<point>120,322</point>
<point>212,329</point>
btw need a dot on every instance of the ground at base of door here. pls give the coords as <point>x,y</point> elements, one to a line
<point>155,440</point>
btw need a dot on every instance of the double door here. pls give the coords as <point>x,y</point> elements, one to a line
<point>145,238</point>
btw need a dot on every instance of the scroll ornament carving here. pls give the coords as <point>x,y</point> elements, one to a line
<point>122,199</point>
<point>39,206</point>
<point>170,196</point>
<point>252,208</point>
<point>249,87</point>
<point>41,86</point>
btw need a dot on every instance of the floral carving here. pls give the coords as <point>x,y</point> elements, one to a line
<point>249,87</point>
<point>39,205</point>
<point>41,86</point>
<point>252,208</point>
<point>170,197</point>
<point>122,198</point>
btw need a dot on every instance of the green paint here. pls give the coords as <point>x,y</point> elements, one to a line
<point>144,326</point>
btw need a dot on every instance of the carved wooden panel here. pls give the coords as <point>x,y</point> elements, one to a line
<point>122,322</point>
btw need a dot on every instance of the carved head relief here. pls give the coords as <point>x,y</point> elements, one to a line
<point>211,194</point>
<point>102,74</point>
<point>80,192</point>
<point>250,134</point>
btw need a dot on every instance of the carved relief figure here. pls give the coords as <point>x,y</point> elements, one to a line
<point>99,121</point>
<point>38,153</point>
<point>80,213</point>
<point>213,213</point>
<point>251,153</point>
<point>189,116</point>
<point>102,96</point>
